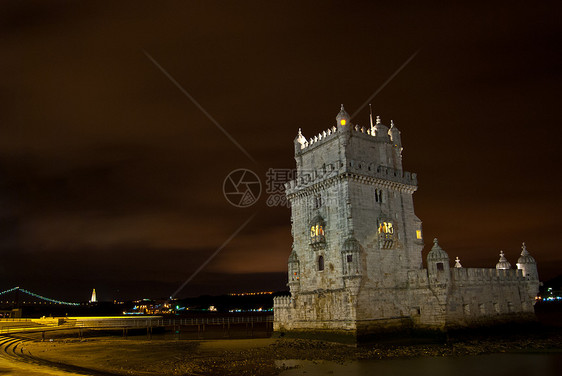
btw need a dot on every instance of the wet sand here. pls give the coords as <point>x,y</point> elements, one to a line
<point>262,356</point>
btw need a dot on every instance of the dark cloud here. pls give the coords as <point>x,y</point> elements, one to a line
<point>110,177</point>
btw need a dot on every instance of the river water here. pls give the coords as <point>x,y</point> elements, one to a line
<point>508,364</point>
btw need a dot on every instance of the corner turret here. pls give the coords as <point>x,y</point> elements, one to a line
<point>300,142</point>
<point>343,119</point>
<point>396,141</point>
<point>294,273</point>
<point>394,134</point>
<point>527,264</point>
<point>438,263</point>
<point>381,130</point>
<point>351,257</point>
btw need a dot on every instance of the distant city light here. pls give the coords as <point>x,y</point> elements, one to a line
<point>251,293</point>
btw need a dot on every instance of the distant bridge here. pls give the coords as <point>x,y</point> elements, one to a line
<point>32,294</point>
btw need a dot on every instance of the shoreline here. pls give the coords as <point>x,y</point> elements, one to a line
<point>252,356</point>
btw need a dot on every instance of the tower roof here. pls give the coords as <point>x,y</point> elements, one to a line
<point>343,117</point>
<point>525,257</point>
<point>437,253</point>
<point>393,128</point>
<point>503,263</point>
<point>381,130</point>
<point>351,245</point>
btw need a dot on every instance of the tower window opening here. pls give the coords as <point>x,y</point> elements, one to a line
<point>317,233</point>
<point>349,258</point>
<point>385,228</point>
<point>440,266</point>
<point>317,201</point>
<point>320,263</point>
<point>378,195</point>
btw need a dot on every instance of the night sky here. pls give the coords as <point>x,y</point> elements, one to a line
<point>111,177</point>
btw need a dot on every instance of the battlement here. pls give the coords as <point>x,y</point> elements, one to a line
<point>317,140</point>
<point>485,275</point>
<point>378,175</point>
<point>324,136</point>
<point>282,301</point>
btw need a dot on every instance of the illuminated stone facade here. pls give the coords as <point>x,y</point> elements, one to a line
<point>356,266</point>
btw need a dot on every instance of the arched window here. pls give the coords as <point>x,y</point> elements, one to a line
<point>385,230</point>
<point>317,232</point>
<point>320,263</point>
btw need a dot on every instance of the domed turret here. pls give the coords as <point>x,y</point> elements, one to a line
<point>351,257</point>
<point>294,272</point>
<point>394,134</point>
<point>437,253</point>
<point>438,264</point>
<point>300,141</point>
<point>343,119</point>
<point>381,130</point>
<point>527,263</point>
<point>526,257</point>
<point>503,263</point>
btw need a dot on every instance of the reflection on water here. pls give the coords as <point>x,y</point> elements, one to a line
<point>512,364</point>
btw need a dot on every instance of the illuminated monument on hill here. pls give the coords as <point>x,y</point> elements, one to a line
<point>356,266</point>
<point>93,299</point>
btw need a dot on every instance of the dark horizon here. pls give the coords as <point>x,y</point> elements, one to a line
<point>112,178</point>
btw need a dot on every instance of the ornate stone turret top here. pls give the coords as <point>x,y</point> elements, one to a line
<point>437,253</point>
<point>381,130</point>
<point>525,258</point>
<point>503,263</point>
<point>458,263</point>
<point>300,141</point>
<point>394,134</point>
<point>343,118</point>
<point>351,245</point>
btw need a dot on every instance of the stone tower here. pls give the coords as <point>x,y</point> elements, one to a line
<point>353,224</point>
<point>356,267</point>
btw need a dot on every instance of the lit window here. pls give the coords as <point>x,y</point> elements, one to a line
<point>418,234</point>
<point>342,121</point>
<point>317,234</point>
<point>316,231</point>
<point>385,231</point>
<point>386,228</point>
